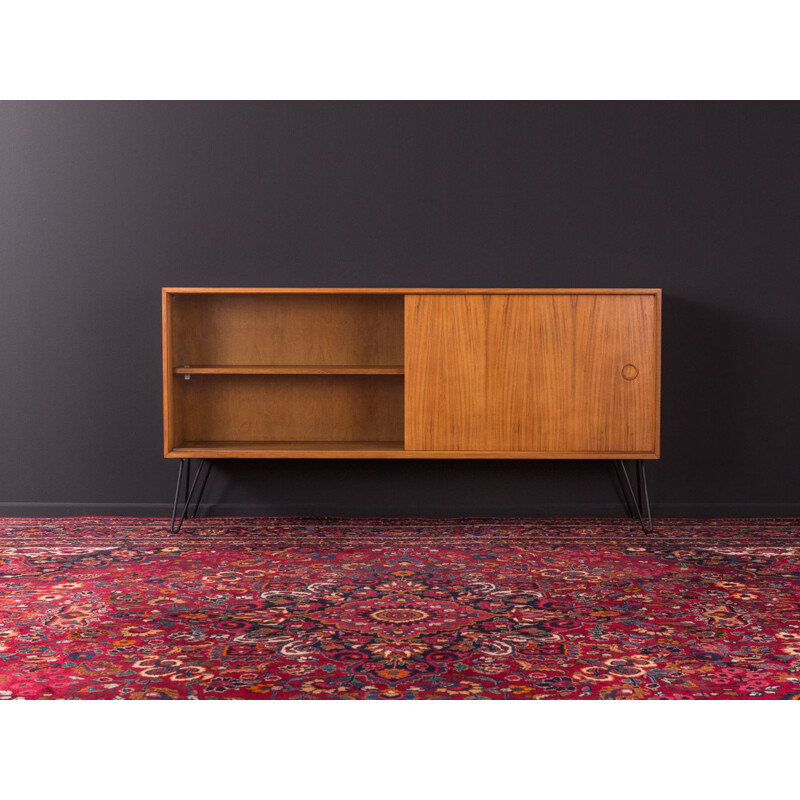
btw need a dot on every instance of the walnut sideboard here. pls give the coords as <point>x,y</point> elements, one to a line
<point>411,373</point>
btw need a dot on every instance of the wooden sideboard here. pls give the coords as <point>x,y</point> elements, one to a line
<point>411,373</point>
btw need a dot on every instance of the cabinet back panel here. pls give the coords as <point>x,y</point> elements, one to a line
<point>290,408</point>
<point>276,329</point>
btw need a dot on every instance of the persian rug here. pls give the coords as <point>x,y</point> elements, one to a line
<point>399,608</point>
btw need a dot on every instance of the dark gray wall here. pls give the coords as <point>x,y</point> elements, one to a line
<point>101,204</point>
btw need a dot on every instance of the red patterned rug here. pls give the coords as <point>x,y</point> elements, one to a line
<point>399,608</point>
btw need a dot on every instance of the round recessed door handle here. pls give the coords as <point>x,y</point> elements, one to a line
<point>629,372</point>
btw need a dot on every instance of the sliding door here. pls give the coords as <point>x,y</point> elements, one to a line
<point>572,375</point>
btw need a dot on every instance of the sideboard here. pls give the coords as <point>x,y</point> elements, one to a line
<point>411,373</point>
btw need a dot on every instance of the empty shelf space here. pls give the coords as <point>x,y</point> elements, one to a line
<point>273,329</point>
<point>293,408</point>
<point>289,369</point>
<point>280,449</point>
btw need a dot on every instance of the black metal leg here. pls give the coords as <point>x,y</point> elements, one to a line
<point>188,492</point>
<point>618,466</point>
<point>638,500</point>
<point>641,485</point>
<point>202,487</point>
<point>177,493</point>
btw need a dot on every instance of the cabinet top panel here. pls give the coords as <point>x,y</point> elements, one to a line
<point>376,290</point>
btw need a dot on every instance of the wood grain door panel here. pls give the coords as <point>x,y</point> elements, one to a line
<point>555,375</point>
<point>445,364</point>
<point>532,373</point>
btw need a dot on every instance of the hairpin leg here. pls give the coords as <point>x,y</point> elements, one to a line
<point>641,485</point>
<point>638,500</point>
<point>189,485</point>
<point>208,465</point>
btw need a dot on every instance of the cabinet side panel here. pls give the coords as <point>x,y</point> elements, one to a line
<point>166,362</point>
<point>657,346</point>
<point>445,366</point>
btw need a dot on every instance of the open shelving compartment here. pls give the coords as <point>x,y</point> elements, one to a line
<point>261,374</point>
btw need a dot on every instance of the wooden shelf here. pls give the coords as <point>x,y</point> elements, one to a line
<point>278,449</point>
<point>288,369</point>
